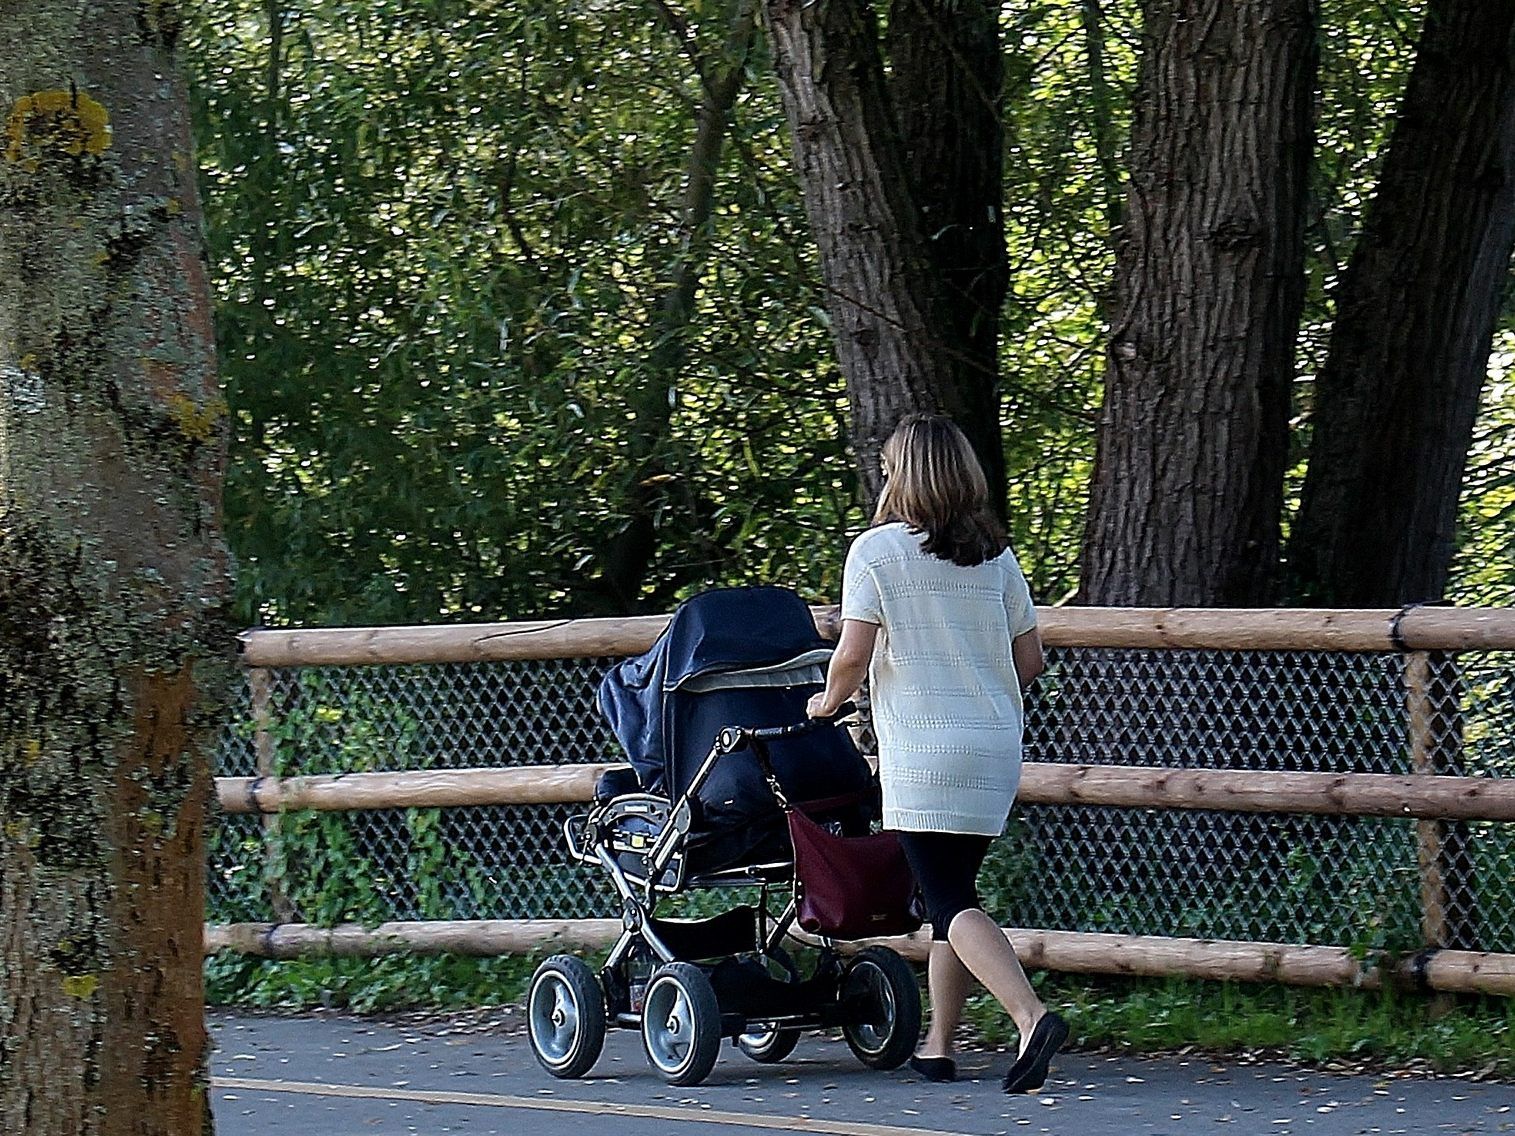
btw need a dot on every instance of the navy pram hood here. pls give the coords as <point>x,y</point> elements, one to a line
<point>736,657</point>
<point>727,629</point>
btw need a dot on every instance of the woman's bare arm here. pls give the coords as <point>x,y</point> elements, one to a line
<point>1026,653</point>
<point>849,666</point>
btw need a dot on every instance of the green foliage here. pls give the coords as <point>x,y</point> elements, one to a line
<point>1484,571</point>
<point>1146,1015</point>
<point>443,235</point>
<point>439,246</point>
<point>1067,122</point>
<point>392,982</point>
<point>371,866</point>
<point>1295,889</point>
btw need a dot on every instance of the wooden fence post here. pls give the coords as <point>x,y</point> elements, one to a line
<point>260,685</point>
<point>1429,834</point>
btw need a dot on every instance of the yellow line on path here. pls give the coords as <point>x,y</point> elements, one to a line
<point>597,1108</point>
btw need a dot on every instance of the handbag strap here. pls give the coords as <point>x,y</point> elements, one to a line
<point>820,805</point>
<point>760,753</point>
<point>826,804</point>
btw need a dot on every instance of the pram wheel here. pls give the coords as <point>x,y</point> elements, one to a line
<point>681,1023</point>
<point>883,1002</point>
<point>770,1045</point>
<point>565,1016</point>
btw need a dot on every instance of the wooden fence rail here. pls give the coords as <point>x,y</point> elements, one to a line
<point>1069,951</point>
<point>1251,629</point>
<point>1042,783</point>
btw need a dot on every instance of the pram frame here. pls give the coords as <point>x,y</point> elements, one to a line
<point>875,988</point>
<point>638,904</point>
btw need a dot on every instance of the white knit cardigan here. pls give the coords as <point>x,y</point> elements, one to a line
<point>946,700</point>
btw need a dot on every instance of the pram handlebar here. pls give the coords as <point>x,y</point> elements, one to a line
<point>772,733</point>
<point>733,738</point>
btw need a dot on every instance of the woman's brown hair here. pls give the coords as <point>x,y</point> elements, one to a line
<point>933,482</point>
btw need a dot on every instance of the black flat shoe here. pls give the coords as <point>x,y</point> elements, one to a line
<point>1029,1072</point>
<point>939,1069</point>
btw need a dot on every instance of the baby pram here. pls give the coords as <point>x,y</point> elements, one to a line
<point>716,704</point>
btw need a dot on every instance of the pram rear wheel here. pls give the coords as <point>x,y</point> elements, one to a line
<point>565,1016</point>
<point>770,1045</point>
<point>883,1004</point>
<point>681,1023</point>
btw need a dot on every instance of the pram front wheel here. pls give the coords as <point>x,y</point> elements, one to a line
<point>565,1016</point>
<point>883,1004</point>
<point>681,1023</point>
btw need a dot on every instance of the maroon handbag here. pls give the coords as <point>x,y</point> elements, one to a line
<point>851,887</point>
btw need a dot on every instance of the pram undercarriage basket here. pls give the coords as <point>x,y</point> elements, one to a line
<point>687,983</point>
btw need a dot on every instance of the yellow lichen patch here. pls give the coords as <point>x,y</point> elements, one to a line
<point>81,985</point>
<point>196,423</point>
<point>31,751</point>
<point>66,124</point>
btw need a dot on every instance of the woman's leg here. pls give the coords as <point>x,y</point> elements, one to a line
<point>988,954</point>
<point>947,981</point>
<point>946,868</point>
<point>983,949</point>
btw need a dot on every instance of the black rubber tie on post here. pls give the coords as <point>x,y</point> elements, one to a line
<point>1396,633</point>
<point>252,794</point>
<point>1419,961</point>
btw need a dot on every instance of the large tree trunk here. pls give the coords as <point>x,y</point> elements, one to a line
<point>112,576</point>
<point>1188,478</point>
<point>946,84</point>
<point>1396,399</point>
<point>897,336</point>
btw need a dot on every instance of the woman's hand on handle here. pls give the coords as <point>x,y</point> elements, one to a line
<point>817,706</point>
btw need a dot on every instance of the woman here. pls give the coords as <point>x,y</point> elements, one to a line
<point>935,585</point>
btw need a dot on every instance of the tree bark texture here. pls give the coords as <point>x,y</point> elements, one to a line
<point>946,83</point>
<point>891,311</point>
<point>112,576</point>
<point>1188,478</point>
<point>1396,399</point>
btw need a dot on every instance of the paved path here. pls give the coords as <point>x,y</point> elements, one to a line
<point>332,1075</point>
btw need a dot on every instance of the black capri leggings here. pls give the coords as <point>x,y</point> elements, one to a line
<point>946,866</point>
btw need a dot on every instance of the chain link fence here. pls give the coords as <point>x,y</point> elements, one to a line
<point>1363,882</point>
